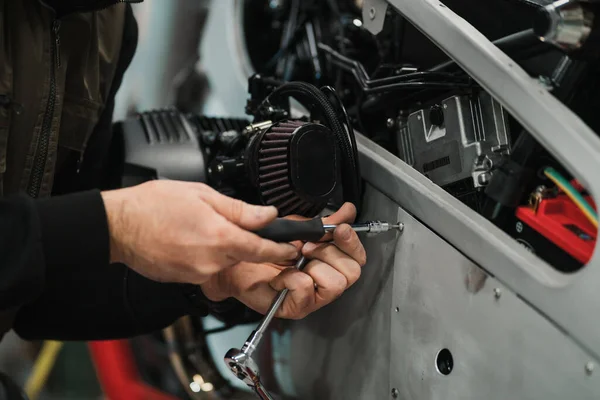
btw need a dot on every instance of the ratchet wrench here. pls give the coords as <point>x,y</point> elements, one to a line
<point>240,361</point>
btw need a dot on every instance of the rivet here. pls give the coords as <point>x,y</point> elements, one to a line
<point>497,293</point>
<point>589,368</point>
<point>397,309</point>
<point>372,13</point>
<point>395,393</point>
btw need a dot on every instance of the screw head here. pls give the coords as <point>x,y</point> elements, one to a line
<point>372,13</point>
<point>589,368</point>
<point>390,123</point>
<point>519,227</point>
<point>395,393</point>
<point>220,167</point>
<point>497,293</point>
<point>397,309</point>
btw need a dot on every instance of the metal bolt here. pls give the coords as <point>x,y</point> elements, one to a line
<point>220,167</point>
<point>419,117</point>
<point>519,227</point>
<point>497,293</point>
<point>445,105</point>
<point>589,368</point>
<point>395,393</point>
<point>484,178</point>
<point>372,13</point>
<point>390,123</point>
<point>401,227</point>
<point>397,309</point>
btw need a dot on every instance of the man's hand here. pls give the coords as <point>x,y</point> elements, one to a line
<point>183,232</point>
<point>333,268</point>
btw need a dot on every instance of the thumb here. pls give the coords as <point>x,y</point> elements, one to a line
<point>246,216</point>
<point>345,215</point>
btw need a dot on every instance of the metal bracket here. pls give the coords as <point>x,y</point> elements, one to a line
<point>374,15</point>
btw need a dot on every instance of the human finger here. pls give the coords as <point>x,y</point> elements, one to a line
<point>300,300</point>
<point>345,215</point>
<point>335,259</point>
<point>347,240</point>
<point>247,216</point>
<point>329,283</point>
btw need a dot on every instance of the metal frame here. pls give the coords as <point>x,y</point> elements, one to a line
<point>571,302</point>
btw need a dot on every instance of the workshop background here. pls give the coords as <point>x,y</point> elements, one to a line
<point>475,307</point>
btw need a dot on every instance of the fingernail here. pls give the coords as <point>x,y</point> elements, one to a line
<point>309,247</point>
<point>264,212</point>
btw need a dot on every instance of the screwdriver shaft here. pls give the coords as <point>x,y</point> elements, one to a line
<point>370,227</point>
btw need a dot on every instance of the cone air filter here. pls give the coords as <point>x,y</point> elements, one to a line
<point>293,164</point>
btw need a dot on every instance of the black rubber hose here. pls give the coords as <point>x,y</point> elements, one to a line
<point>350,130</point>
<point>411,81</point>
<point>310,96</point>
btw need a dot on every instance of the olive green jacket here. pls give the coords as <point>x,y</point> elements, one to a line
<point>56,73</point>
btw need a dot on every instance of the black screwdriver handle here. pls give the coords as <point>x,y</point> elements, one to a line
<point>285,230</point>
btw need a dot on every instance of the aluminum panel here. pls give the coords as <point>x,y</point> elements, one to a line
<point>501,347</point>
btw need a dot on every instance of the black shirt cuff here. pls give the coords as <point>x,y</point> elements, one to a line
<point>74,230</point>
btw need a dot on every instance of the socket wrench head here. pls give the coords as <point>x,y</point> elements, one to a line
<point>242,366</point>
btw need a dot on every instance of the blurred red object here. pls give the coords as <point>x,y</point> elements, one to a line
<point>118,374</point>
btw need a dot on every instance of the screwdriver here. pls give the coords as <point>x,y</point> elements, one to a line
<point>285,230</point>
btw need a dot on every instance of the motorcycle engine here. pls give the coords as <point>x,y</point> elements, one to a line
<point>298,165</point>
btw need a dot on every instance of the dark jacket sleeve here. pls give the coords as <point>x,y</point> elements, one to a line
<point>85,298</point>
<point>21,253</point>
